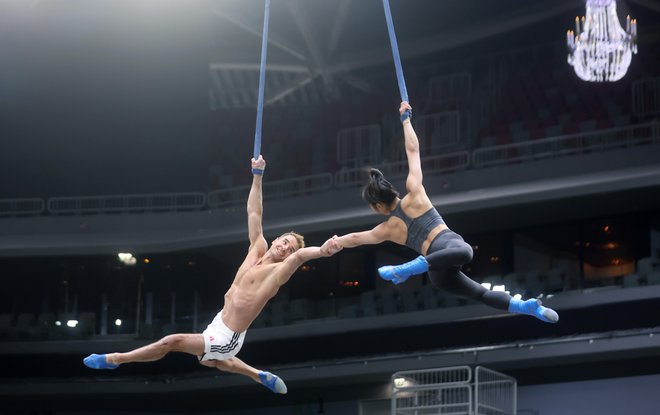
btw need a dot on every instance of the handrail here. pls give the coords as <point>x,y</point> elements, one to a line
<point>646,97</point>
<point>126,203</point>
<point>620,137</point>
<point>18,207</point>
<point>297,186</point>
<point>443,163</point>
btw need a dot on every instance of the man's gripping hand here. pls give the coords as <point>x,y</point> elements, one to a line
<point>259,165</point>
<point>331,247</point>
<point>405,111</point>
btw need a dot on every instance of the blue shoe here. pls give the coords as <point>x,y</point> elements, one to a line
<point>272,382</point>
<point>533,307</point>
<point>97,361</point>
<point>400,273</point>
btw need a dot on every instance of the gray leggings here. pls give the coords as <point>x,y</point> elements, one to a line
<point>447,253</point>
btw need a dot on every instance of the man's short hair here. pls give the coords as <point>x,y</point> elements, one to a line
<point>299,238</point>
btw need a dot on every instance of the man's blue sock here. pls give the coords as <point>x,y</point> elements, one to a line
<point>272,382</point>
<point>98,361</point>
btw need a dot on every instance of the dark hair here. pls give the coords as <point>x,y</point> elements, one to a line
<point>378,190</point>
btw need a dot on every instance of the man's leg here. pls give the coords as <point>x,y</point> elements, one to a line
<point>236,365</point>
<point>185,343</point>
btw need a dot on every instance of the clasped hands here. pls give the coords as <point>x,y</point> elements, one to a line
<point>331,247</point>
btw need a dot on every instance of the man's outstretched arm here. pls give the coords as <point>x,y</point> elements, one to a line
<point>295,260</point>
<point>255,208</point>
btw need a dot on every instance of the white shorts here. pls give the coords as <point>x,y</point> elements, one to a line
<point>220,342</point>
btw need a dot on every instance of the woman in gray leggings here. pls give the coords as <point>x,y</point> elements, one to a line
<point>414,222</point>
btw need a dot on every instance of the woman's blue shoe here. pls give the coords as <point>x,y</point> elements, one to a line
<point>533,307</point>
<point>400,273</point>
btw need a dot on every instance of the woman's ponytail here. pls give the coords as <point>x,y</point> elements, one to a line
<point>378,190</point>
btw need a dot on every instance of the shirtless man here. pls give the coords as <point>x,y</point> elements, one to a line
<point>258,279</point>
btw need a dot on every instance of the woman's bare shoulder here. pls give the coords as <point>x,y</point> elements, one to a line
<point>415,205</point>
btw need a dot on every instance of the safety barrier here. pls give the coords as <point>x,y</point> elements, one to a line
<point>127,203</point>
<point>20,207</point>
<point>298,186</point>
<point>451,390</point>
<point>431,165</point>
<point>621,137</point>
<point>646,97</point>
<point>359,145</point>
<point>439,130</point>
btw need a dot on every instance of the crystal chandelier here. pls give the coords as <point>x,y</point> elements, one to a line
<point>600,50</point>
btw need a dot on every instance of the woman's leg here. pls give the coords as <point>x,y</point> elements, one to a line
<point>455,282</point>
<point>449,252</point>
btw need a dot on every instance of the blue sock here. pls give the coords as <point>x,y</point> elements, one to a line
<point>400,273</point>
<point>97,361</point>
<point>533,307</point>
<point>272,382</point>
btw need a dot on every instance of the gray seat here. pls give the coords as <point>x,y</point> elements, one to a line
<point>298,309</point>
<point>632,280</point>
<point>5,325</point>
<point>25,325</point>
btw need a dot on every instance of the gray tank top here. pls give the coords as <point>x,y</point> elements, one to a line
<point>420,227</point>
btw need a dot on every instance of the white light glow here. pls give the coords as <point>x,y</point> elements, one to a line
<point>58,323</point>
<point>518,297</point>
<point>118,322</point>
<point>499,288</point>
<point>399,382</point>
<point>72,323</point>
<point>486,285</point>
<point>127,258</point>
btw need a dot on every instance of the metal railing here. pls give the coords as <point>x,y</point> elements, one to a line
<point>298,186</point>
<point>227,197</point>
<point>432,391</point>
<point>440,129</point>
<point>451,390</point>
<point>450,88</point>
<point>359,145</point>
<point>646,97</point>
<point>494,393</point>
<point>20,207</point>
<point>127,203</point>
<point>621,137</point>
<point>444,163</point>
<point>635,135</point>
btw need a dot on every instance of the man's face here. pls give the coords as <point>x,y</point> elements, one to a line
<point>283,247</point>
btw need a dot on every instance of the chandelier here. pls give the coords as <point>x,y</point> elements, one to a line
<point>600,50</point>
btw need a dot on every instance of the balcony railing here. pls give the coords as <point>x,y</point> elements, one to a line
<point>581,143</point>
